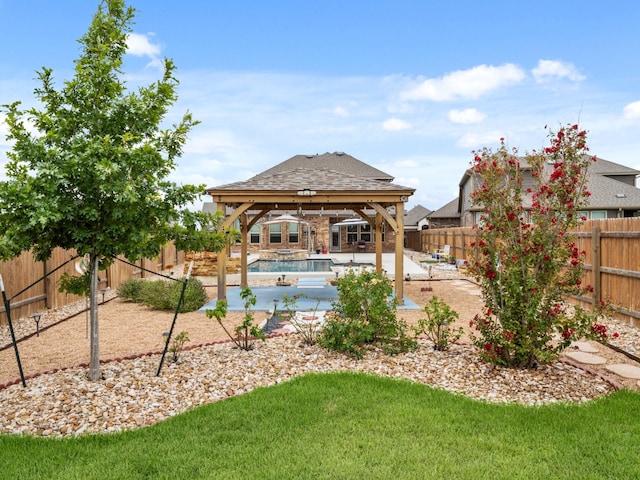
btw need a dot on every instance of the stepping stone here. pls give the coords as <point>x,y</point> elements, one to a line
<point>587,358</point>
<point>624,370</point>
<point>584,347</point>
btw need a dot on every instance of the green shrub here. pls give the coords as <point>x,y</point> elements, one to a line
<point>247,332</point>
<point>177,345</point>
<point>195,296</point>
<point>131,290</point>
<point>437,326</point>
<point>163,295</point>
<point>365,313</point>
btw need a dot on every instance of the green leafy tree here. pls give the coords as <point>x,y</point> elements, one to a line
<point>88,171</point>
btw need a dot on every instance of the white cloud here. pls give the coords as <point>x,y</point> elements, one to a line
<point>341,112</point>
<point>407,163</point>
<point>468,115</point>
<point>632,110</point>
<point>548,70</point>
<point>478,140</point>
<point>396,125</point>
<point>140,46</point>
<point>472,83</point>
<point>407,181</point>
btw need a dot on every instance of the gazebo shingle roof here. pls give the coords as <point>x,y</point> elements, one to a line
<point>301,178</point>
<point>336,161</point>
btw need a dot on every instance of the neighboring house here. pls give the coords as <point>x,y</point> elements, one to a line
<point>447,216</point>
<point>612,186</point>
<point>323,225</point>
<point>416,219</point>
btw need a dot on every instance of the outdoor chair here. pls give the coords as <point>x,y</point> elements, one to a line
<point>443,254</point>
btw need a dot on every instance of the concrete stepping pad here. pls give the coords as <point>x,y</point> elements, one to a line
<point>624,370</point>
<point>588,358</point>
<point>584,347</point>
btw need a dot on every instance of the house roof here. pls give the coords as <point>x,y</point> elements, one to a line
<point>336,161</point>
<point>606,193</point>
<point>610,194</point>
<point>416,214</point>
<point>450,210</point>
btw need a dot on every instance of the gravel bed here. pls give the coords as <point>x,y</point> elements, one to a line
<point>65,403</point>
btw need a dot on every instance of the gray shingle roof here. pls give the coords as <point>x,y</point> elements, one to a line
<point>416,214</point>
<point>450,210</point>
<point>306,177</point>
<point>336,161</point>
<point>606,193</point>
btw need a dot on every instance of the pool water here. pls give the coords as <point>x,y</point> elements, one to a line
<point>269,266</point>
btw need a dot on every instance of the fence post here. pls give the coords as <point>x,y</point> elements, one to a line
<point>48,294</point>
<point>596,264</point>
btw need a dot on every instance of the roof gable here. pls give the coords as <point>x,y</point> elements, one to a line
<point>416,214</point>
<point>450,210</point>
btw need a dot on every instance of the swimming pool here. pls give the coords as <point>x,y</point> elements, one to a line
<point>273,266</point>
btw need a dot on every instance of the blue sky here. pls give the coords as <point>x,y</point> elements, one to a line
<point>410,87</point>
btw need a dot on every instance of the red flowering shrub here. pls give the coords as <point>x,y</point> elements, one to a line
<point>525,260</point>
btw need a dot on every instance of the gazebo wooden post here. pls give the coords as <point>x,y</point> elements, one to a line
<point>400,252</point>
<point>378,234</point>
<point>222,263</point>
<point>244,221</point>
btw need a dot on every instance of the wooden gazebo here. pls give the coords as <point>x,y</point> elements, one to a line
<point>323,182</point>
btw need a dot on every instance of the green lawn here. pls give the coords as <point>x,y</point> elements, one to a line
<point>345,426</point>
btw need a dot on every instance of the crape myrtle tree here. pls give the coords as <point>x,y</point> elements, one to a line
<point>525,259</point>
<point>88,169</point>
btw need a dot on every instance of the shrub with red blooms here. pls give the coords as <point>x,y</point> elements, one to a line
<point>524,259</point>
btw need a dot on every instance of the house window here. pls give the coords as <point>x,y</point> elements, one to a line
<point>254,235</point>
<point>479,218</point>
<point>598,214</point>
<point>293,233</point>
<point>275,233</point>
<point>352,233</point>
<point>365,232</point>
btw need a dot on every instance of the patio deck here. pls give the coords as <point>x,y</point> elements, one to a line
<point>310,298</point>
<point>313,296</point>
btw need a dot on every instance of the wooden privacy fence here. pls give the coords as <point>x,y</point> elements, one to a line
<point>612,261</point>
<point>23,271</point>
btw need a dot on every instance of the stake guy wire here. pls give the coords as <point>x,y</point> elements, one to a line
<point>175,318</point>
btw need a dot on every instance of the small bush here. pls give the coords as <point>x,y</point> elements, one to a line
<point>157,294</point>
<point>365,314</point>
<point>131,290</point>
<point>195,296</point>
<point>178,344</point>
<point>307,331</point>
<point>247,332</point>
<point>437,326</point>
<point>163,295</point>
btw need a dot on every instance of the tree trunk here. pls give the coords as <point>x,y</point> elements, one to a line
<point>94,365</point>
